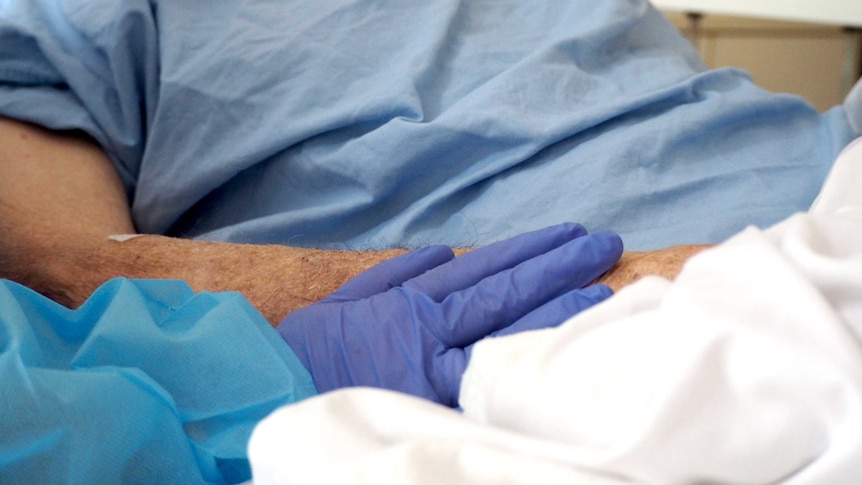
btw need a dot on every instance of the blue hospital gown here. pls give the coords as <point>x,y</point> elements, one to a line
<point>376,123</point>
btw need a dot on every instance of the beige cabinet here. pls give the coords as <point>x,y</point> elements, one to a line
<point>817,61</point>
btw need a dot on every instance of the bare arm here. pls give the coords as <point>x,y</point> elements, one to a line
<point>635,265</point>
<point>60,199</point>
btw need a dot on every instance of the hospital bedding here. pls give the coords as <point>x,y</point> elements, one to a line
<point>746,369</point>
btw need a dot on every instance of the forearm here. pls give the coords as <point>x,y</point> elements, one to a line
<point>633,266</point>
<point>275,279</point>
<point>279,279</point>
<point>60,199</point>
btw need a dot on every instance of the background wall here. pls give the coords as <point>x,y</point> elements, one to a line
<point>817,61</point>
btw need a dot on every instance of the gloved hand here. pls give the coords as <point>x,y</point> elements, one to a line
<point>408,324</point>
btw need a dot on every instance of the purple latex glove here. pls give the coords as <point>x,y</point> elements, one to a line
<point>408,324</point>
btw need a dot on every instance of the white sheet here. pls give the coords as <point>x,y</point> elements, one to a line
<point>746,369</point>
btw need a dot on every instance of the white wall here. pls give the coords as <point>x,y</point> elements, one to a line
<point>818,62</point>
<point>837,12</point>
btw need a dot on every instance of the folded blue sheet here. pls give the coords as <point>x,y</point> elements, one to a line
<point>369,123</point>
<point>145,383</point>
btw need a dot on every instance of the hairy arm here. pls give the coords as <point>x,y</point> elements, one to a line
<point>634,265</point>
<point>60,199</point>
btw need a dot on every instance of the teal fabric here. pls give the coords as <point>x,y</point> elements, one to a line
<point>145,383</point>
<point>375,123</point>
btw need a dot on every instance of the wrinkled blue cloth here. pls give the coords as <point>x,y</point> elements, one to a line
<point>145,383</point>
<point>372,123</point>
<point>409,324</point>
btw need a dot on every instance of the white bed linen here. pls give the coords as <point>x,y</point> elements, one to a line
<point>746,369</point>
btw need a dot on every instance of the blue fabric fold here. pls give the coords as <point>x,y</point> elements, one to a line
<point>147,382</point>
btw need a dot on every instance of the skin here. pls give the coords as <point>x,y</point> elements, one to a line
<point>61,199</point>
<point>634,265</point>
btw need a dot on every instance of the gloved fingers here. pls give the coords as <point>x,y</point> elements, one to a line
<point>549,315</point>
<point>467,270</point>
<point>503,298</point>
<point>447,371</point>
<point>391,273</point>
<point>558,310</point>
